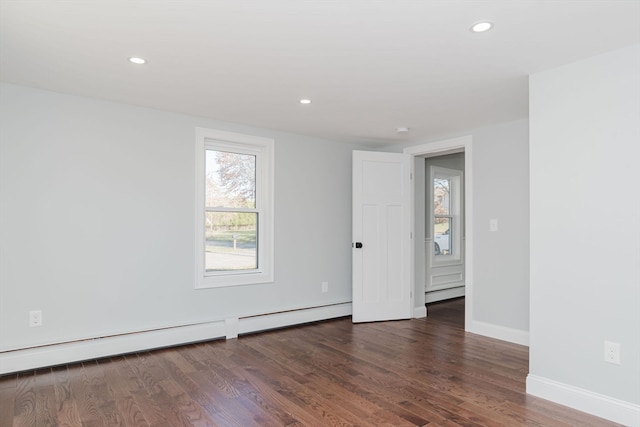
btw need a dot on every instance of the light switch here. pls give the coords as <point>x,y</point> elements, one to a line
<point>493,225</point>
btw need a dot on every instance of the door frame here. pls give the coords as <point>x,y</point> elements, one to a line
<point>440,148</point>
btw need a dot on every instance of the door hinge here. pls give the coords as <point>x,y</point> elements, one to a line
<point>410,175</point>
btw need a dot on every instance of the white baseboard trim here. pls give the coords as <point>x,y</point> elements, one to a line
<point>76,351</point>
<point>444,294</point>
<point>419,312</point>
<point>583,400</point>
<point>503,333</point>
<point>294,317</point>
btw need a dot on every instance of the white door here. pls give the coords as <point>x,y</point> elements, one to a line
<point>381,236</point>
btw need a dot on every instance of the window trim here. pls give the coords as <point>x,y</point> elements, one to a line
<point>263,149</point>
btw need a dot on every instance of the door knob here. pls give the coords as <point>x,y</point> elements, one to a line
<point>358,245</point>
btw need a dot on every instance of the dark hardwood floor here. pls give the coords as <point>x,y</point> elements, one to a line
<point>450,312</point>
<point>403,373</point>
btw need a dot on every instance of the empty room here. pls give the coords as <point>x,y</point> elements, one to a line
<point>310,213</point>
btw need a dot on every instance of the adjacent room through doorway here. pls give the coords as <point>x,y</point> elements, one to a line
<point>444,227</point>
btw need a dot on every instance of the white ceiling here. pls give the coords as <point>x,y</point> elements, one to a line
<point>369,66</point>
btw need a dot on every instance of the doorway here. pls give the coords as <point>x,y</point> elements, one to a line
<point>420,153</point>
<point>444,227</point>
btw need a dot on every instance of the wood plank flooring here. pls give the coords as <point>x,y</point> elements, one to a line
<point>424,372</point>
<point>450,312</point>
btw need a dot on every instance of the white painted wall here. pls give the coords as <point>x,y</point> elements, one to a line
<point>97,221</point>
<point>501,259</point>
<point>585,288</point>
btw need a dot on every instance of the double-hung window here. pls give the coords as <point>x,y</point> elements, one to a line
<point>234,209</point>
<point>445,210</point>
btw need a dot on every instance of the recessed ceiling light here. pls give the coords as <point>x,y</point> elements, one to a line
<point>402,129</point>
<point>481,27</point>
<point>305,101</point>
<point>137,60</point>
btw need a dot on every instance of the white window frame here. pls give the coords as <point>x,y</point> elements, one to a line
<point>263,149</point>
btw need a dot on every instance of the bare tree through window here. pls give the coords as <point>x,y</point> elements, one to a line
<point>442,216</point>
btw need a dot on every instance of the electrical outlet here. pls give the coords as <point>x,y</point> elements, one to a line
<point>612,352</point>
<point>35,318</point>
<point>325,287</point>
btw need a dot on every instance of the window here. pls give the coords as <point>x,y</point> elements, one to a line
<point>446,207</point>
<point>442,216</point>
<point>234,209</point>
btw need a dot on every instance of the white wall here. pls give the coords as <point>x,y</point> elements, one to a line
<point>500,259</point>
<point>500,191</point>
<point>97,221</point>
<point>585,231</point>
